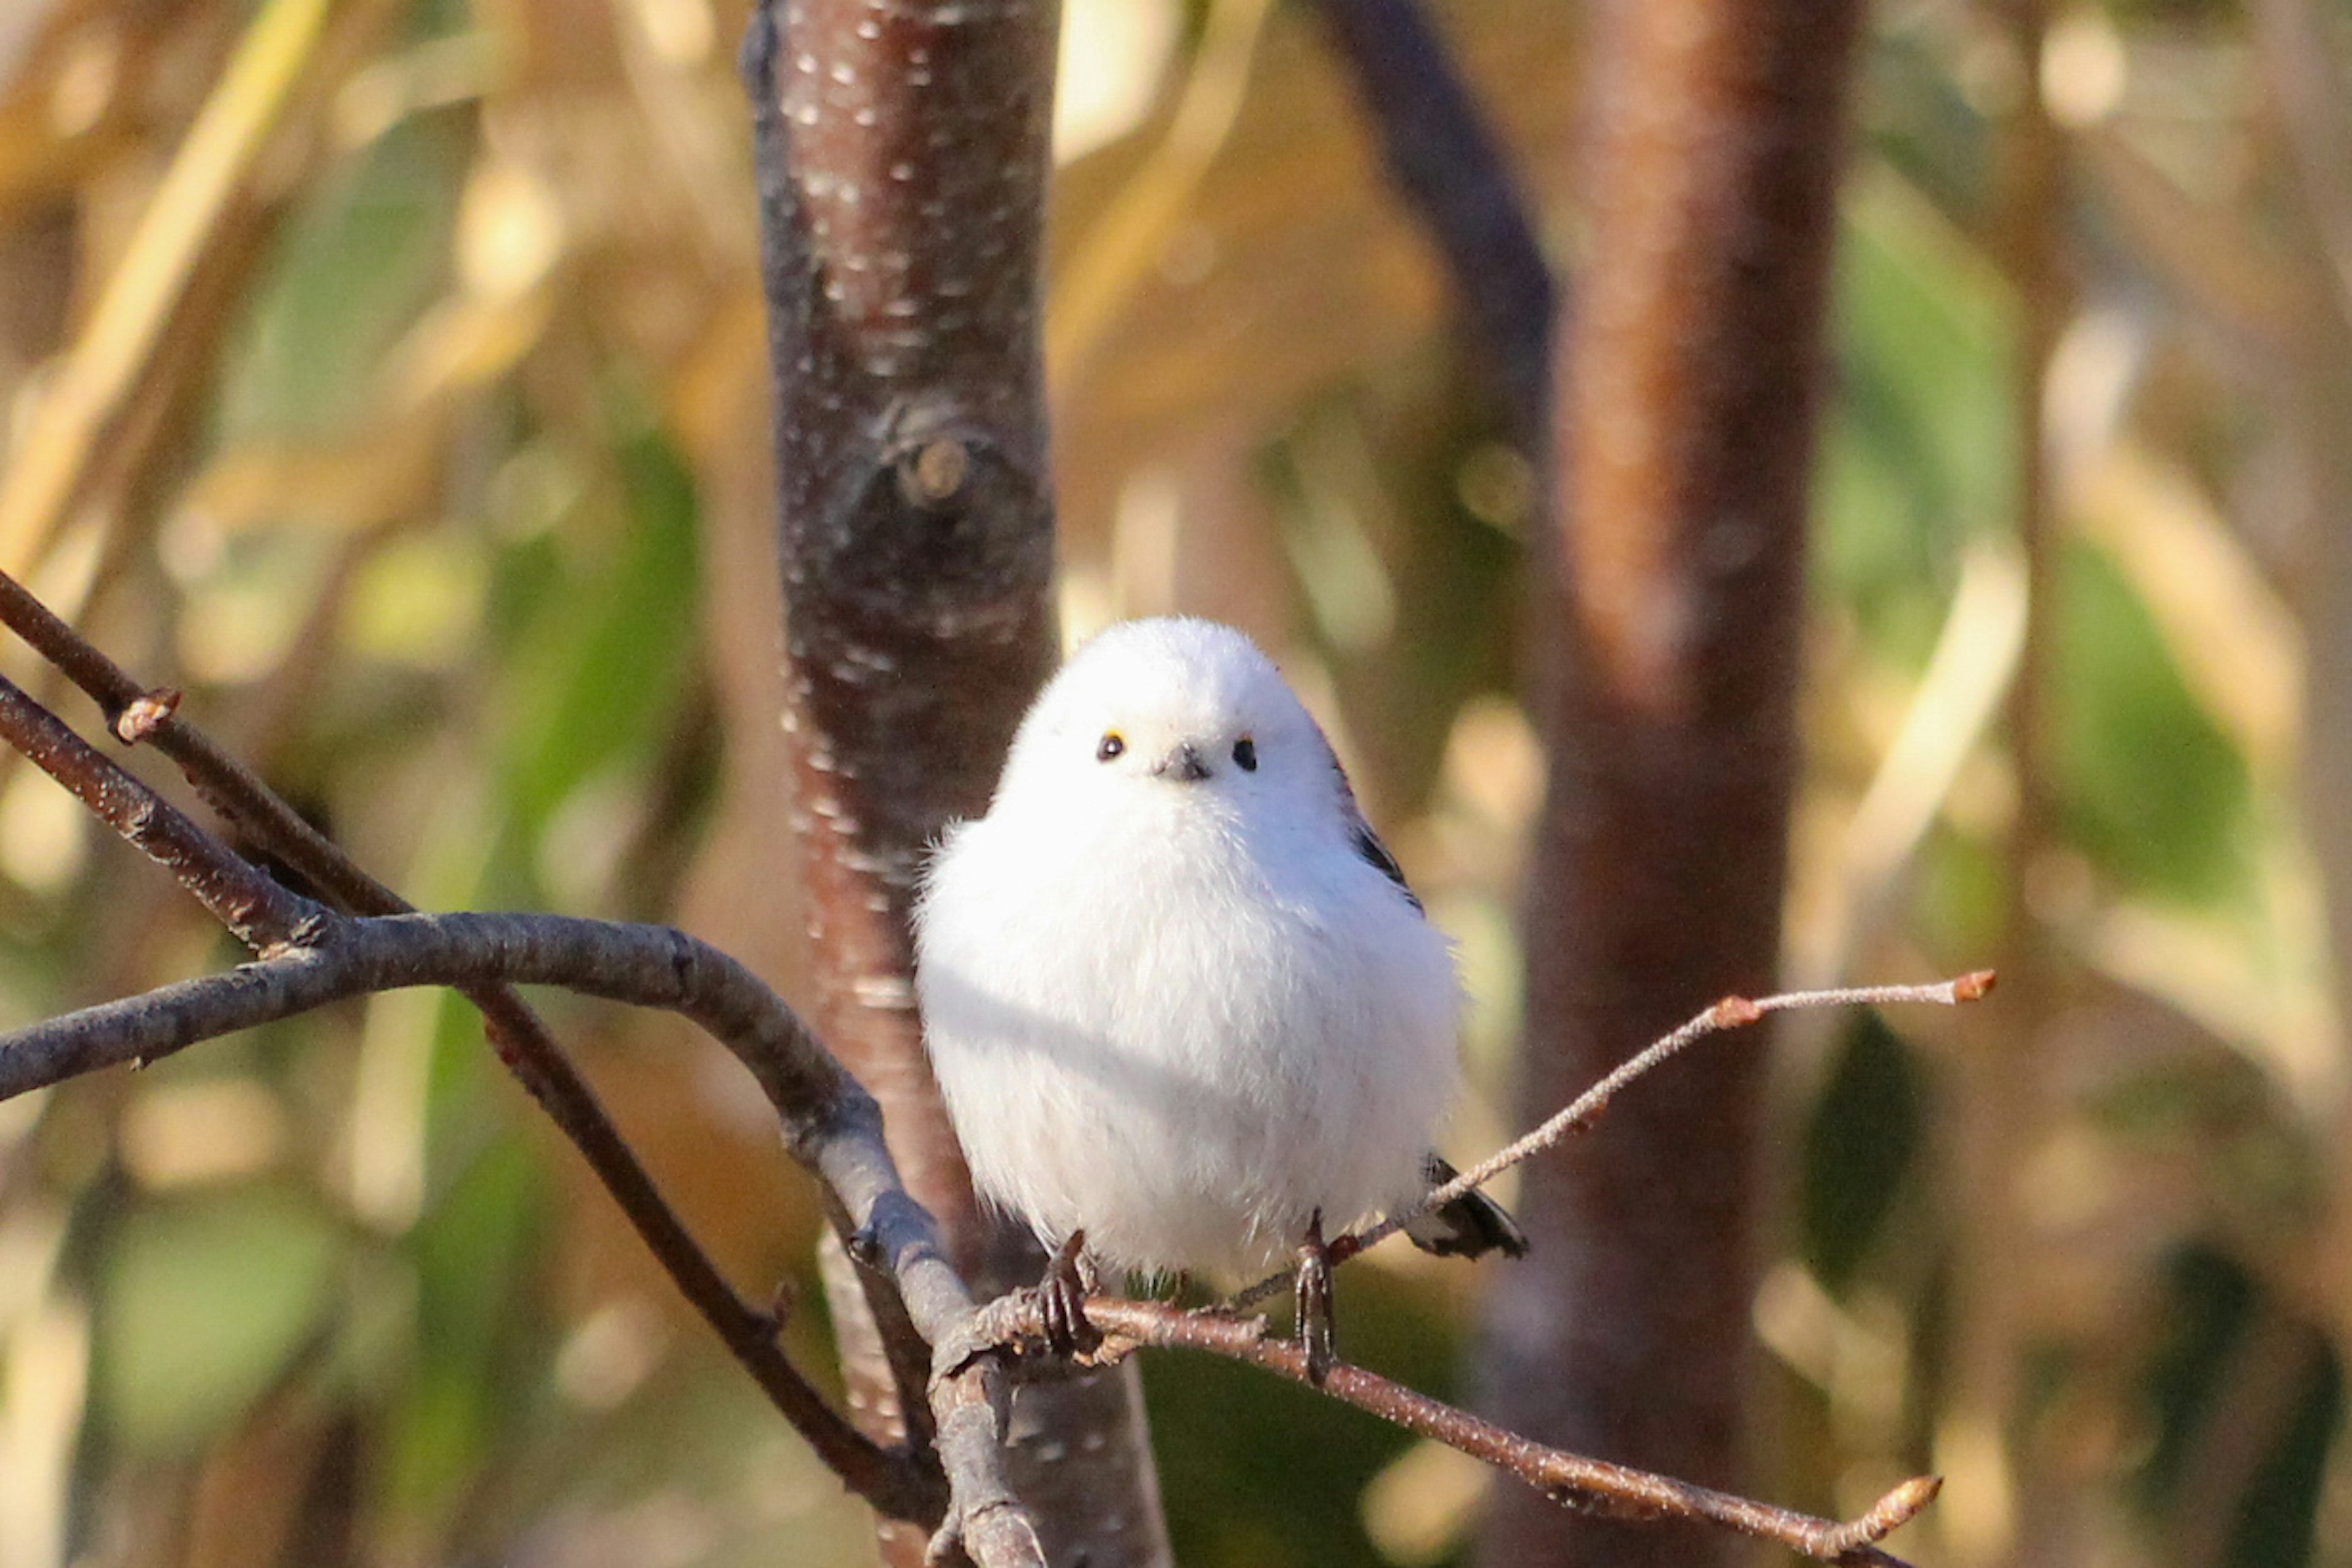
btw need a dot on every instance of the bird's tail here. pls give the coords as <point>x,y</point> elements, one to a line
<point>1469,1227</point>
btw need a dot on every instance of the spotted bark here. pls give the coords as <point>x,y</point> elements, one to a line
<point>902,163</point>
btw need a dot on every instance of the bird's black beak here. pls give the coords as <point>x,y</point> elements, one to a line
<point>1183,765</point>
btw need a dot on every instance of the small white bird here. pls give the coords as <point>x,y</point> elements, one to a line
<point>1178,995</point>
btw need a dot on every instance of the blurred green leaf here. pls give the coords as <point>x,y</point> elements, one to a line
<point>613,633</point>
<point>364,253</point>
<point>2150,787</point>
<point>205,1302</point>
<point>1958,893</point>
<point>477,1253</point>
<point>1859,1145</point>
<point>1920,448</point>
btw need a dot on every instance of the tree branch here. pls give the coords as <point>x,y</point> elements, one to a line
<point>1731,1013</point>
<point>136,714</point>
<point>271,919</point>
<point>260,912</point>
<point>1014,1322</point>
<point>1453,173</point>
<point>831,1125</point>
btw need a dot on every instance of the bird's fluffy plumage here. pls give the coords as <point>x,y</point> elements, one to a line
<point>1170,1000</point>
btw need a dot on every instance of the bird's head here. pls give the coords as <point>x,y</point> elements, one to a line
<point>1152,707</point>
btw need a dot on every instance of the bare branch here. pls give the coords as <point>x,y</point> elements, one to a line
<point>977,1503</point>
<point>1575,1482</point>
<point>831,1125</point>
<point>1451,169</point>
<point>271,918</point>
<point>243,896</point>
<point>651,966</point>
<point>1731,1013</point>
<point>137,714</point>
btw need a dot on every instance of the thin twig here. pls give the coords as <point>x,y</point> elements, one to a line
<point>1014,1322</point>
<point>271,918</point>
<point>258,911</point>
<point>138,714</point>
<point>1731,1013</point>
<point>831,1125</point>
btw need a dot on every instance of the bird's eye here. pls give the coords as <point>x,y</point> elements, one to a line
<point>1112,744</point>
<point>1245,754</point>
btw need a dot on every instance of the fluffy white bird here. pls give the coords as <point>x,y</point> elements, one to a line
<point>1178,995</point>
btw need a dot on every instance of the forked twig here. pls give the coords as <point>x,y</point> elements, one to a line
<point>274,921</point>
<point>138,714</point>
<point>830,1124</point>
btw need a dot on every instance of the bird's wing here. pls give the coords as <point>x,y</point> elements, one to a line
<point>1360,832</point>
<point>1471,1224</point>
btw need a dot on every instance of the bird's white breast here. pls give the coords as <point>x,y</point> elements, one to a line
<point>1178,1038</point>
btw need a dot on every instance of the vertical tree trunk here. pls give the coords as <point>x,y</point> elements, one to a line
<point>1688,380</point>
<point>902,161</point>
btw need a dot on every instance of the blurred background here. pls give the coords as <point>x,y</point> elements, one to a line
<point>390,375</point>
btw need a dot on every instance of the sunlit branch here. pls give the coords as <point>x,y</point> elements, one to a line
<point>830,1124</point>
<point>1731,1013</point>
<point>138,714</point>
<point>1587,1485</point>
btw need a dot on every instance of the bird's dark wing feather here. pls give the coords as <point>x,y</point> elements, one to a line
<point>1360,832</point>
<point>1474,1223</point>
<point>1471,1224</point>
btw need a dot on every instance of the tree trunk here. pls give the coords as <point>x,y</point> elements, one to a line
<point>1688,380</point>
<point>902,163</point>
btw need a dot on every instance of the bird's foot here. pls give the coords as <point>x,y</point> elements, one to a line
<point>1317,1330</point>
<point>1062,1301</point>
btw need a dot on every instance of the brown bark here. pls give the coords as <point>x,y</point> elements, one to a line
<point>1689,376</point>
<point>903,155</point>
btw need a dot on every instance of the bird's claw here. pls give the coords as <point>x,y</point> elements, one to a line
<point>1317,1330</point>
<point>1062,1302</point>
